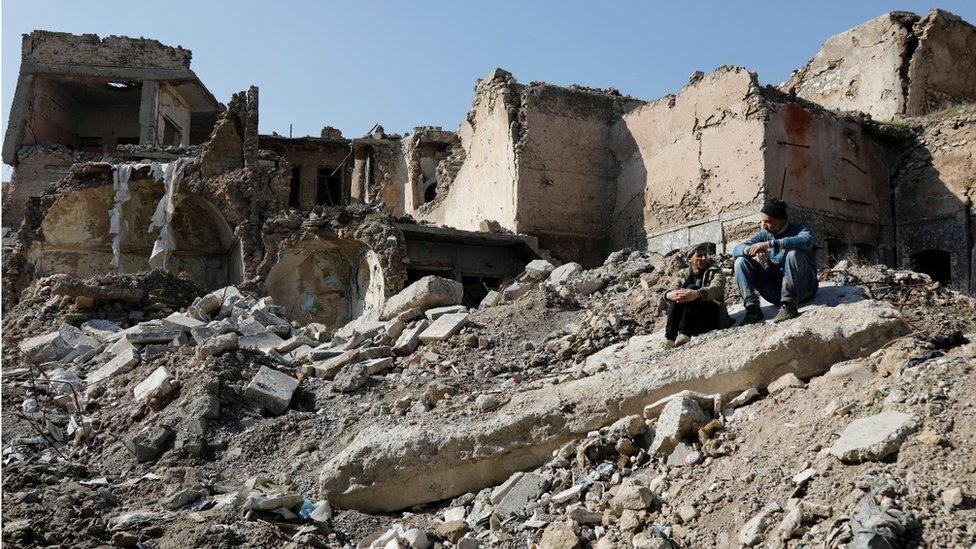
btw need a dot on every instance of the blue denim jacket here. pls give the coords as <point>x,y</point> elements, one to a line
<point>795,236</point>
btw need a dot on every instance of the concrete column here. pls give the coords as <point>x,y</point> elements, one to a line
<point>148,115</point>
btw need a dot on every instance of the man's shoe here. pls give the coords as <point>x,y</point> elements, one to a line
<point>787,311</point>
<point>668,344</point>
<point>681,340</point>
<point>753,315</point>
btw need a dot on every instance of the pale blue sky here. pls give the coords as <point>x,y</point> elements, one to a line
<point>355,63</point>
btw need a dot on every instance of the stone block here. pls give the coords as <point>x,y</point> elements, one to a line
<point>874,437</point>
<point>218,345</point>
<point>491,299</point>
<point>264,342</point>
<point>156,385</point>
<point>182,321</point>
<point>784,382</point>
<point>437,312</point>
<point>537,269</point>
<point>426,293</point>
<point>444,327</point>
<point>377,365</point>
<point>149,333</point>
<point>271,389</point>
<point>564,273</point>
<point>123,362</point>
<point>329,368</point>
<point>409,340</point>
<point>100,329</point>
<point>528,488</point>
<point>679,417</point>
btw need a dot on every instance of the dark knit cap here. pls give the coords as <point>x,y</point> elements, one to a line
<point>775,208</point>
<point>690,250</point>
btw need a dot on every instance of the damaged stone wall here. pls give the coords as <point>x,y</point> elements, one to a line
<point>61,48</point>
<point>566,169</point>
<point>433,157</point>
<point>536,161</point>
<point>485,185</point>
<point>692,156</point>
<point>897,64</point>
<point>934,191</point>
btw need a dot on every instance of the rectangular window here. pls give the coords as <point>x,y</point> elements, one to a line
<point>172,135</point>
<point>328,186</point>
<point>295,195</point>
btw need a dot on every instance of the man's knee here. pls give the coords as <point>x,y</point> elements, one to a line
<point>742,265</point>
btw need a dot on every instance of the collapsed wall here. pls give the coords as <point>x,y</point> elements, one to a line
<point>537,161</point>
<point>898,64</point>
<point>696,166</point>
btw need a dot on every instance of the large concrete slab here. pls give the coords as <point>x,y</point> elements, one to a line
<point>390,468</point>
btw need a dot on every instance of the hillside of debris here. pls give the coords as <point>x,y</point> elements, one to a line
<point>138,409</point>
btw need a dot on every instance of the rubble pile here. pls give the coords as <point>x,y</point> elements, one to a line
<point>208,423</point>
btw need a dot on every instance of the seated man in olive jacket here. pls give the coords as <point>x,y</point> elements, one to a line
<point>698,305</point>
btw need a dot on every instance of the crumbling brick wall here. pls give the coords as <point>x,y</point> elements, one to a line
<point>62,48</point>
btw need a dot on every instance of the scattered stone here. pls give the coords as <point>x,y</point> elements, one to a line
<point>147,333</point>
<point>181,321</point>
<point>537,269</point>
<point>261,342</point>
<point>874,437</point>
<point>426,293</point>
<point>452,531</point>
<point>486,403</point>
<point>158,384</point>
<point>953,497</point>
<point>271,389</point>
<point>491,299</point>
<point>745,397</point>
<point>149,444</point>
<point>351,377</point>
<point>123,362</point>
<point>568,494</point>
<point>444,327</point>
<point>687,512</point>
<point>633,496</point>
<point>787,381</point>
<point>754,531</point>
<point>679,417</point>
<point>559,535</point>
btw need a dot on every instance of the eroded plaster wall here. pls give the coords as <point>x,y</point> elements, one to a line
<point>61,48</point>
<point>566,170</point>
<point>485,186</point>
<point>331,281</point>
<point>832,171</point>
<point>696,157</point>
<point>942,71</point>
<point>76,240</point>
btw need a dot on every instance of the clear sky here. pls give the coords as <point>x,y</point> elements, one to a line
<point>354,63</point>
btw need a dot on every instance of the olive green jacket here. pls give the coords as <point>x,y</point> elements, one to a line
<point>713,289</point>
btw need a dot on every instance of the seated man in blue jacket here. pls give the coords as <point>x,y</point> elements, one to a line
<point>789,275</point>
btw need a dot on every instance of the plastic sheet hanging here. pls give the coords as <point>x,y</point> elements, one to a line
<point>172,175</point>
<point>120,183</point>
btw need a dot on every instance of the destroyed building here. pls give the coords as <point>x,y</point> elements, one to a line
<point>215,337</point>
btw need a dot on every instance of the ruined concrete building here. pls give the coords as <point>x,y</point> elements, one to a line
<point>872,142</point>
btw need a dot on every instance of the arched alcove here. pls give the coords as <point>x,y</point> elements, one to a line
<point>331,281</point>
<point>76,237</point>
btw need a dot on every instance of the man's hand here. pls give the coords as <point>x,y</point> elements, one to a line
<point>758,247</point>
<point>682,295</point>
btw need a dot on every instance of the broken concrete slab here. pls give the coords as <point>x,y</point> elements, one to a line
<point>100,329</point>
<point>537,269</point>
<point>158,384</point>
<point>264,342</point>
<point>150,333</point>
<point>409,340</point>
<point>874,437</point>
<point>444,327</point>
<point>377,365</point>
<point>123,362</point>
<point>679,417</point>
<point>525,490</point>
<point>467,454</point>
<point>426,293</point>
<point>329,368</point>
<point>182,321</point>
<point>271,389</point>
<point>218,345</point>
<point>57,345</point>
<point>437,312</point>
